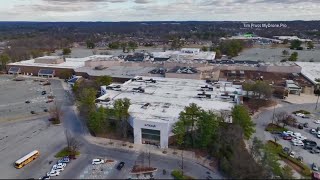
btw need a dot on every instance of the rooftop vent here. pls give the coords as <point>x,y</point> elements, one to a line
<point>99,67</point>
<point>139,89</point>
<point>151,80</point>
<point>145,106</point>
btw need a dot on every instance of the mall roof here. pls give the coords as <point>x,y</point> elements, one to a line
<point>117,71</point>
<point>163,100</point>
<point>70,63</point>
<point>310,70</point>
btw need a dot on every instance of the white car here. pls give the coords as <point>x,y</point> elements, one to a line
<point>317,121</point>
<point>313,131</point>
<point>292,154</point>
<point>53,173</point>
<point>300,114</point>
<point>57,168</point>
<point>299,143</point>
<point>293,140</point>
<point>296,134</point>
<point>290,133</point>
<point>97,161</point>
<point>301,138</point>
<point>63,165</point>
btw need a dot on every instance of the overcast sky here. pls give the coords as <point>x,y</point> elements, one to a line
<point>158,10</point>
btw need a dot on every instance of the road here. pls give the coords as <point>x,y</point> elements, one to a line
<point>89,150</point>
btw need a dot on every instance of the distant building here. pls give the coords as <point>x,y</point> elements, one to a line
<point>292,87</point>
<point>291,38</point>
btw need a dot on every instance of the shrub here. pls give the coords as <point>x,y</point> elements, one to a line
<point>177,174</point>
<point>275,128</point>
<point>56,121</point>
<point>65,152</point>
<point>301,111</point>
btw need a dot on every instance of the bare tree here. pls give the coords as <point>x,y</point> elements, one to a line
<point>290,120</point>
<point>280,117</point>
<point>73,144</point>
<point>56,113</point>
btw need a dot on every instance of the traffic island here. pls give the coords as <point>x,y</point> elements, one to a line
<point>142,172</point>
<point>66,152</point>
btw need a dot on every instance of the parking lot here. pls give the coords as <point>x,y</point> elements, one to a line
<point>22,132</point>
<point>308,157</point>
<point>14,95</point>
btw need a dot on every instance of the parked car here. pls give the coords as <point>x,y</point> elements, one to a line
<point>27,101</point>
<point>318,129</point>
<point>306,125</point>
<point>45,178</point>
<point>309,142</point>
<point>43,92</point>
<point>300,114</point>
<point>65,159</point>
<point>287,137</point>
<point>306,116</point>
<point>318,147</point>
<point>290,133</point>
<point>307,147</point>
<point>286,149</point>
<point>313,131</point>
<point>299,143</point>
<point>97,161</point>
<point>61,165</point>
<point>317,121</point>
<point>314,151</point>
<point>57,168</point>
<point>53,173</point>
<point>120,165</point>
<point>300,126</point>
<point>314,167</point>
<point>292,154</point>
<point>300,158</point>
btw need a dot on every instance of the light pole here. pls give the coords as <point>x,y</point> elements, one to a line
<point>274,110</point>
<point>317,92</point>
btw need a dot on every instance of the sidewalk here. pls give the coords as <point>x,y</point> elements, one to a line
<point>117,144</point>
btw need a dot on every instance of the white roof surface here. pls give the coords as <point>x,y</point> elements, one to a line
<point>171,92</point>
<point>180,56</point>
<point>310,70</point>
<point>70,62</point>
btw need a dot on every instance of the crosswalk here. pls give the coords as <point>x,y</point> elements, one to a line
<point>100,171</point>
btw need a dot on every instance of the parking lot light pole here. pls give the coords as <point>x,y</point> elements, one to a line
<point>274,110</point>
<point>317,102</point>
<point>317,92</point>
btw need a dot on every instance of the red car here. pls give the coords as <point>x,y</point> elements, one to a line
<point>287,137</point>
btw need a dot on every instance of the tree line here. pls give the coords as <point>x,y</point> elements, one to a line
<point>102,120</point>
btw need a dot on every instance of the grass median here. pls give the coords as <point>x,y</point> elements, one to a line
<point>302,168</point>
<point>65,152</point>
<point>177,174</point>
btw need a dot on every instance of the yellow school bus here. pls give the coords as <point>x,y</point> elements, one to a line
<point>26,159</point>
